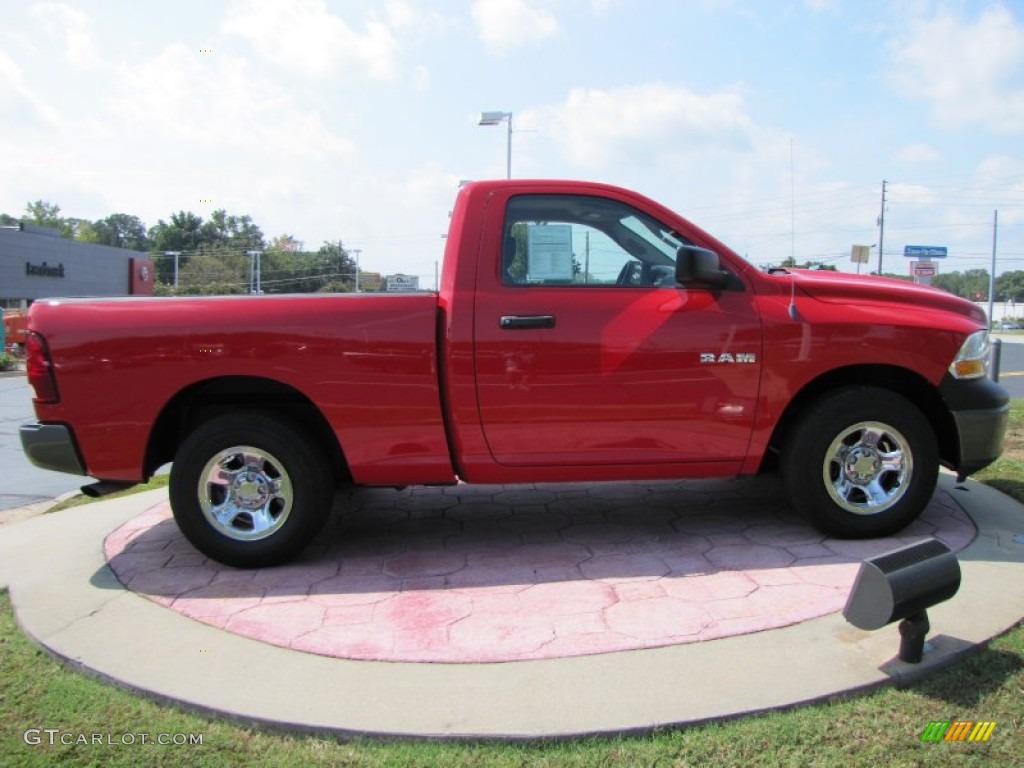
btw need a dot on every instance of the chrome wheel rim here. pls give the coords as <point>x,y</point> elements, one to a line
<point>245,493</point>
<point>868,468</point>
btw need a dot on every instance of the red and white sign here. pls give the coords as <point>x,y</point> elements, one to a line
<point>923,268</point>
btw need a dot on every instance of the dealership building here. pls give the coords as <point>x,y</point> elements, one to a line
<point>36,263</point>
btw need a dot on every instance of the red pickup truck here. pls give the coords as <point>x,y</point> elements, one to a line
<point>582,332</point>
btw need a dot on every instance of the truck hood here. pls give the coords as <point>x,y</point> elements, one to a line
<point>841,288</point>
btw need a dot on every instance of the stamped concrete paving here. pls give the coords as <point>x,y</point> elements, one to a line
<point>505,573</point>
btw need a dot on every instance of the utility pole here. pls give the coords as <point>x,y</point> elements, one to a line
<point>881,229</point>
<point>586,258</point>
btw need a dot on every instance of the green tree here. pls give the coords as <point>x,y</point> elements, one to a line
<point>214,272</point>
<point>47,214</point>
<point>187,234</point>
<point>790,263</point>
<point>971,284</point>
<point>122,230</point>
<point>235,231</point>
<point>288,269</point>
<point>85,231</point>
<point>337,268</point>
<point>182,233</point>
<point>517,265</point>
<point>282,271</point>
<point>285,243</point>
<point>951,281</point>
<point>1010,286</point>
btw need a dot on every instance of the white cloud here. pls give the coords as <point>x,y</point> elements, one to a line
<point>414,23</point>
<point>430,185</point>
<point>421,78</point>
<point>401,14</point>
<point>1002,175</point>
<point>972,73</point>
<point>643,124</point>
<point>505,24</point>
<point>305,37</point>
<point>75,28</point>
<point>217,102</point>
<point>12,84</point>
<point>917,154</point>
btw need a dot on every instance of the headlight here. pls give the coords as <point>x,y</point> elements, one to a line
<point>971,362</point>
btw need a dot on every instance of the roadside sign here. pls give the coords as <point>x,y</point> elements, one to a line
<point>860,254</point>
<point>403,283</point>
<point>923,269</point>
<point>924,251</point>
<point>370,281</point>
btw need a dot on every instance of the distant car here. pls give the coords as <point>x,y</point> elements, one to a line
<point>1009,327</point>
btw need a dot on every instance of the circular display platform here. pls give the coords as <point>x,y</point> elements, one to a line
<point>508,573</point>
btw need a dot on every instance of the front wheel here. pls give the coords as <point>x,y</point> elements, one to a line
<point>861,462</point>
<point>250,489</point>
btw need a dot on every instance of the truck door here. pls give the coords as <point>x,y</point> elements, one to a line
<point>588,353</point>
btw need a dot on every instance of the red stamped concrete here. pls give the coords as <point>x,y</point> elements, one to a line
<point>499,573</point>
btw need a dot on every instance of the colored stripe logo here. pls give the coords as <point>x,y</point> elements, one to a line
<point>958,730</point>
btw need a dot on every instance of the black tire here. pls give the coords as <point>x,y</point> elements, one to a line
<point>840,467</point>
<point>250,489</point>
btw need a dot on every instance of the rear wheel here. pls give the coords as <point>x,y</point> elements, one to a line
<point>861,462</point>
<point>250,489</point>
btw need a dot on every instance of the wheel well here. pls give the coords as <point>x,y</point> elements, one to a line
<point>203,400</point>
<point>911,385</point>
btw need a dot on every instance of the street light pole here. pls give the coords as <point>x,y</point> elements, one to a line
<point>992,272</point>
<point>254,272</point>
<point>357,251</point>
<point>496,118</point>
<point>508,148</point>
<point>881,229</point>
<point>175,254</point>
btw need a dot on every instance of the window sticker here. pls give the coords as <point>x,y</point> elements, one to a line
<point>549,252</point>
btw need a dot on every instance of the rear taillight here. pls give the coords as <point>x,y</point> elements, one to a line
<point>40,369</point>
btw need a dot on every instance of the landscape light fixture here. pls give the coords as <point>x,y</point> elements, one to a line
<point>496,118</point>
<point>903,584</point>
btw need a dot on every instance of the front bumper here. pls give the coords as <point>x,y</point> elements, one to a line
<point>51,446</point>
<point>980,409</point>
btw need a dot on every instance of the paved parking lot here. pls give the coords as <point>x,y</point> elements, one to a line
<point>24,483</point>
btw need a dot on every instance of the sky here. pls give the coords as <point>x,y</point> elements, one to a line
<point>770,123</point>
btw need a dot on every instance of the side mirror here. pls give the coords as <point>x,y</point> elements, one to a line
<point>699,266</point>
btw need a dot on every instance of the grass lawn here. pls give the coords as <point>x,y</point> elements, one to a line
<point>879,728</point>
<point>1007,473</point>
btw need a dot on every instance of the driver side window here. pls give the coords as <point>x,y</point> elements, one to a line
<point>576,240</point>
